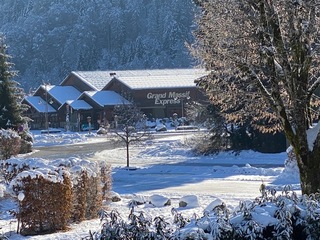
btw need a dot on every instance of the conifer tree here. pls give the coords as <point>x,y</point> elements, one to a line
<point>10,94</point>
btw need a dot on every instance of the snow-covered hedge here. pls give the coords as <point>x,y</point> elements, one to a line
<point>9,143</point>
<point>12,143</point>
<point>270,216</point>
<point>50,194</point>
<point>44,200</point>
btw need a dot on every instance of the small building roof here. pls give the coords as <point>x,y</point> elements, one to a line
<point>106,98</point>
<point>79,105</point>
<point>39,104</point>
<point>95,79</point>
<point>62,93</point>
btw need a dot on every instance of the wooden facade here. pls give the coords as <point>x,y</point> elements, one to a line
<point>156,100</point>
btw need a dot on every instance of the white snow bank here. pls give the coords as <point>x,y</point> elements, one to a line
<point>215,203</point>
<point>159,200</point>
<point>191,201</point>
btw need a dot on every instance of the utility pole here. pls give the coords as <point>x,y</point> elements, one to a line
<point>46,107</point>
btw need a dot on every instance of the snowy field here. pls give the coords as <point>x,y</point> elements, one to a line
<point>165,166</point>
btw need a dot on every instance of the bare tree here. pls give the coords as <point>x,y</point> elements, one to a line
<point>130,125</point>
<point>264,61</point>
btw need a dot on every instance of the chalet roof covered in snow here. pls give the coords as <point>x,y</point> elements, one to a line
<point>62,93</point>
<point>39,104</point>
<point>95,79</point>
<point>142,79</point>
<point>106,98</point>
<point>80,105</point>
<point>77,105</point>
<point>166,78</point>
<point>158,92</point>
<point>156,82</point>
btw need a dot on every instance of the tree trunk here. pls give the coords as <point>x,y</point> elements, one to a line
<point>310,174</point>
<point>308,160</point>
<point>309,167</point>
<point>127,144</point>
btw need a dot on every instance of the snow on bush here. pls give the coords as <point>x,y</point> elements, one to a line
<point>8,134</point>
<point>46,173</point>
<point>44,206</point>
<point>2,190</point>
<point>290,174</point>
<point>190,201</point>
<point>269,216</point>
<point>70,187</point>
<point>14,166</point>
<point>218,202</point>
<point>159,201</point>
<point>16,169</point>
<point>10,143</point>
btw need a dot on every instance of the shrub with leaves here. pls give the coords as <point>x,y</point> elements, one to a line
<point>44,200</point>
<point>51,194</point>
<point>94,196</point>
<point>106,181</point>
<point>12,167</point>
<point>87,187</point>
<point>26,142</point>
<point>283,216</point>
<point>80,186</point>
<point>269,216</point>
<point>10,143</point>
<point>138,226</point>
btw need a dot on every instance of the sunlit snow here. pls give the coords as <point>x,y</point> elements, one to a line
<point>165,169</point>
<point>312,134</point>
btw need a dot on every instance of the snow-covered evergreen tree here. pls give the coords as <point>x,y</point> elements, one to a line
<point>10,94</point>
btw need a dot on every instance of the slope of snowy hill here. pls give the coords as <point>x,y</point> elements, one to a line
<point>49,39</point>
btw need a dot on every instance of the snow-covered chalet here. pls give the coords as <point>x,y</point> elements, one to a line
<point>92,95</point>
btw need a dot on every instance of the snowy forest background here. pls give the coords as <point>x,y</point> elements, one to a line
<point>50,38</point>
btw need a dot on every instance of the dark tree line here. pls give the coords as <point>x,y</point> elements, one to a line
<point>49,39</point>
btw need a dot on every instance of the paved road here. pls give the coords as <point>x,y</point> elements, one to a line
<point>230,189</point>
<point>85,149</point>
<point>72,150</point>
<point>88,150</point>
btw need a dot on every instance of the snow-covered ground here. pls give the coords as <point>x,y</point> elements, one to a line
<point>166,166</point>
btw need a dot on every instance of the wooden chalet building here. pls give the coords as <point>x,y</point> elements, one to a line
<point>85,96</point>
<point>158,93</point>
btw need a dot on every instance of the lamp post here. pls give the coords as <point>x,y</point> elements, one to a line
<point>46,107</point>
<point>46,111</point>
<point>182,105</point>
<point>175,120</point>
<point>116,118</point>
<point>78,121</point>
<point>67,117</point>
<point>89,123</point>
